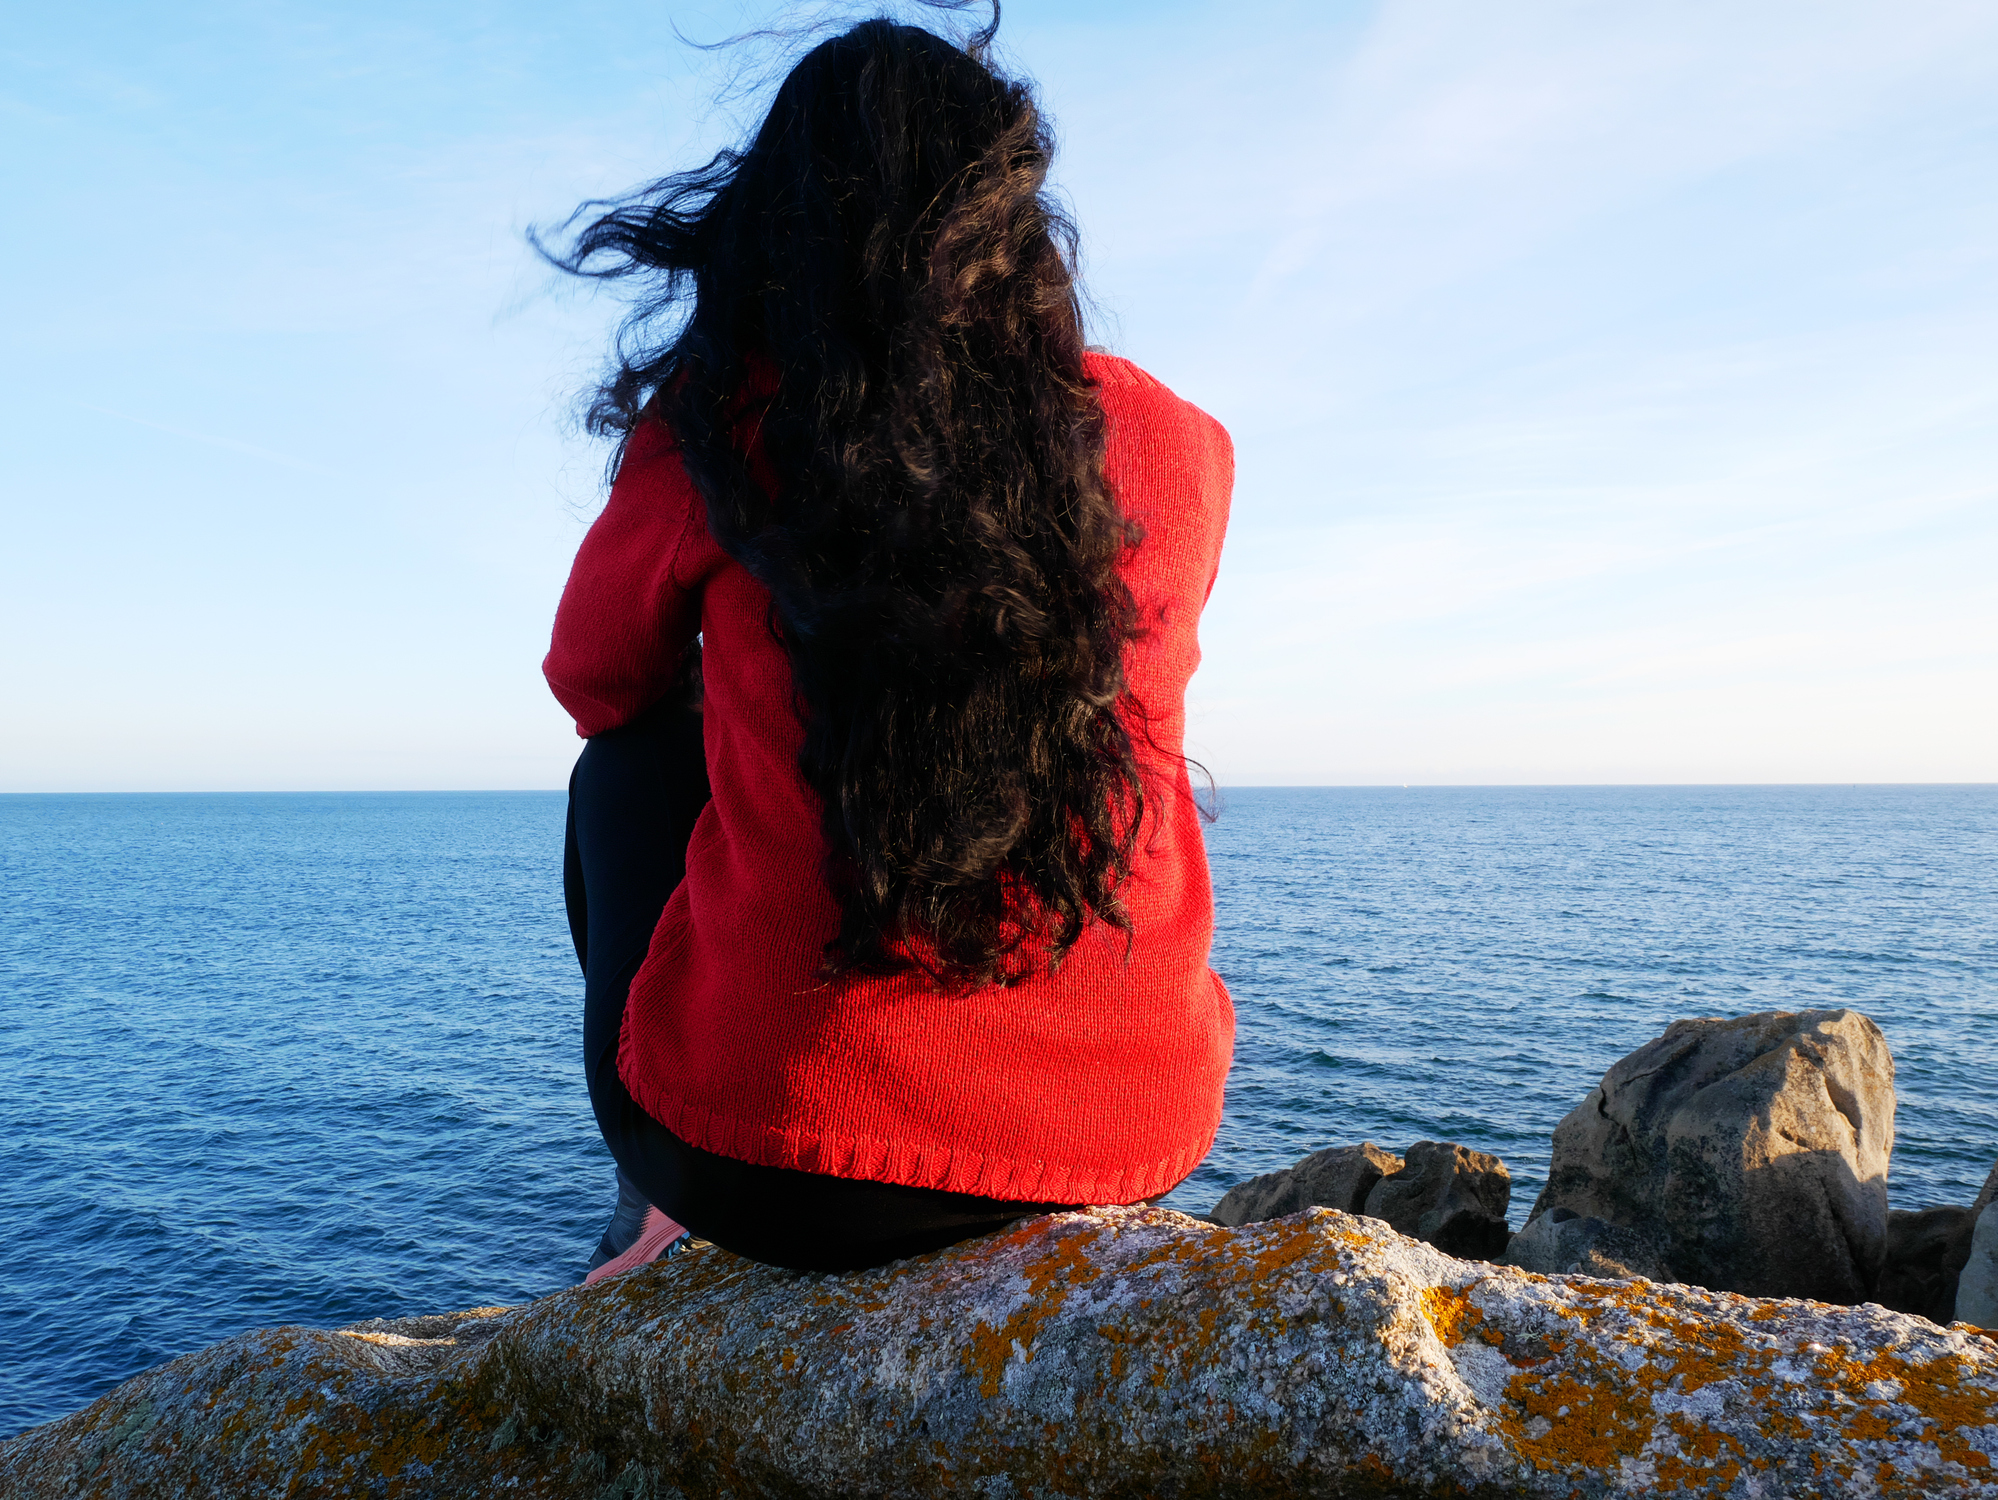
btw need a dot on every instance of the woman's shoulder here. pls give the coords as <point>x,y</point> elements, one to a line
<point>651,472</point>
<point>1113,370</point>
<point>1118,377</point>
<point>1133,396</point>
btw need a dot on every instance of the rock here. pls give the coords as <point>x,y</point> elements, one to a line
<point>1339,1177</point>
<point>1111,1352</point>
<point>1447,1196</point>
<point>1977,1286</point>
<point>1753,1151</point>
<point>1989,1194</point>
<point>1562,1242</point>
<point>1926,1252</point>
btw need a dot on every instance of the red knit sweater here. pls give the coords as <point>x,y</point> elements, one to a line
<point>1100,1083</point>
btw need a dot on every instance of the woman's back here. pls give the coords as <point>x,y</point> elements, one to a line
<point>1097,1081</point>
<point>937,952</point>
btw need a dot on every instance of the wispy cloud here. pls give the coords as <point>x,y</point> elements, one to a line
<point>229,444</point>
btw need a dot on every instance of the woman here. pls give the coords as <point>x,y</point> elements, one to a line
<point>903,932</point>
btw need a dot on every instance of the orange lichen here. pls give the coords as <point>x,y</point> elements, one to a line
<point>1705,1354</point>
<point>1676,1473</point>
<point>1698,1439</point>
<point>1450,1313</point>
<point>1596,1411</point>
<point>1299,1241</point>
<point>1592,1424</point>
<point>1117,1339</point>
<point>1784,1424</point>
<point>1048,1278</point>
<point>1868,1427</point>
<point>387,1448</point>
<point>1375,1467</point>
<point>1940,1390</point>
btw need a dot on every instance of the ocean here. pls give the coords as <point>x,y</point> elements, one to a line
<point>312,1058</point>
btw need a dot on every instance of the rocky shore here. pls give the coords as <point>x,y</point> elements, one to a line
<point>1710,1298</point>
<point>1747,1155</point>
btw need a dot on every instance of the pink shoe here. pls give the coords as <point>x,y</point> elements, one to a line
<point>655,1237</point>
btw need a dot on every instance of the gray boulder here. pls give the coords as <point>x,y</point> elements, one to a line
<point>1977,1287</point>
<point>1562,1242</point>
<point>1753,1151</point>
<point>1339,1177</point>
<point>1926,1252</point>
<point>1990,1193</point>
<point>1448,1196</point>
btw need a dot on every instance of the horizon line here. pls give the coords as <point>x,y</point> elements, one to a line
<point>1247,786</point>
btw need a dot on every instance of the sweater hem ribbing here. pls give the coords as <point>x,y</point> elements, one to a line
<point>951,1169</point>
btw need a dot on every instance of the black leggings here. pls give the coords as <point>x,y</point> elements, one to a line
<point>632,803</point>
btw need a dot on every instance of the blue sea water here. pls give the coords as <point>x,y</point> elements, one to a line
<point>313,1058</point>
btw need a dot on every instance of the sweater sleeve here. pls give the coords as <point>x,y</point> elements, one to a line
<point>625,619</point>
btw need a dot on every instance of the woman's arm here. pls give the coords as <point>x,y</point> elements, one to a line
<point>626,620</point>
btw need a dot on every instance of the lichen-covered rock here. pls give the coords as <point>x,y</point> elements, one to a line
<point>1977,1286</point>
<point>1926,1252</point>
<point>1113,1352</point>
<point>1447,1196</point>
<point>1753,1150</point>
<point>1562,1242</point>
<point>1338,1177</point>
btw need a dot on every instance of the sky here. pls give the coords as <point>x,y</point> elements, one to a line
<point>1612,387</point>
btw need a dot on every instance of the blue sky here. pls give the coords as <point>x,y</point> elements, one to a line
<point>1612,386</point>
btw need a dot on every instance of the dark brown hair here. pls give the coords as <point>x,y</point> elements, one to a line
<point>879,294</point>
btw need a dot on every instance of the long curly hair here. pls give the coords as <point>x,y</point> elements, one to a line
<point>864,331</point>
